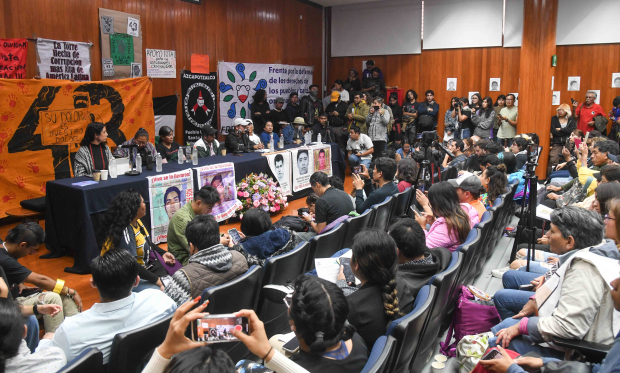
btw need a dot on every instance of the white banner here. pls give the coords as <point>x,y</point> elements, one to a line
<point>167,194</point>
<point>161,63</point>
<point>280,165</point>
<point>222,177</point>
<point>64,60</point>
<point>240,81</point>
<point>302,160</point>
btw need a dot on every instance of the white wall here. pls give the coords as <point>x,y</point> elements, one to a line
<point>588,22</point>
<point>513,26</point>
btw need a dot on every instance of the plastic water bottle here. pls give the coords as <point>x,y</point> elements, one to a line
<point>180,155</point>
<point>318,138</point>
<point>281,143</point>
<point>158,161</point>
<point>195,157</point>
<point>139,163</point>
<point>308,137</point>
<point>112,168</point>
<point>271,148</point>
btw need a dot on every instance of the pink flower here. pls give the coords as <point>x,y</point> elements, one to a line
<point>249,200</point>
<point>270,198</point>
<point>244,185</point>
<point>255,187</point>
<point>278,201</point>
<point>246,194</point>
<point>256,203</point>
<point>273,209</point>
<point>240,216</point>
<point>264,202</point>
<point>277,207</point>
<point>284,199</point>
<point>240,194</point>
<point>285,204</point>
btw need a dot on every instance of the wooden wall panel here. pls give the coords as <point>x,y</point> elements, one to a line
<point>266,31</point>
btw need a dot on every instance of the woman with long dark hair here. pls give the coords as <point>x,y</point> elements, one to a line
<point>451,121</point>
<point>406,173</point>
<point>483,118</point>
<point>94,153</point>
<point>121,228</point>
<point>494,180</point>
<point>410,113</point>
<point>476,101</point>
<point>500,103</point>
<point>450,220</point>
<point>260,110</point>
<point>379,299</point>
<point>167,147</point>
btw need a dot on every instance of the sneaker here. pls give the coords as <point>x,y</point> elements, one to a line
<point>277,293</point>
<point>499,273</point>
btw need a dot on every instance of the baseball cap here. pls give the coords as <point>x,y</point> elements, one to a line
<point>208,130</point>
<point>238,122</point>
<point>335,96</point>
<point>468,182</point>
<point>247,122</point>
<point>279,99</point>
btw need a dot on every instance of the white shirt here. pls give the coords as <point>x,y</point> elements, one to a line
<point>362,144</point>
<point>98,326</point>
<point>344,95</point>
<point>255,139</point>
<point>203,144</point>
<point>50,359</point>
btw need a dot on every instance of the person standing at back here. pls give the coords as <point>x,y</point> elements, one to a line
<point>427,113</point>
<point>378,120</point>
<point>585,112</point>
<point>311,106</point>
<point>357,112</point>
<point>336,115</point>
<point>508,121</point>
<point>292,108</point>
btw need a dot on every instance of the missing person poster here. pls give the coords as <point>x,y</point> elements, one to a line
<point>322,159</point>
<point>280,165</point>
<point>66,60</point>
<point>221,177</point>
<point>302,160</point>
<point>167,194</point>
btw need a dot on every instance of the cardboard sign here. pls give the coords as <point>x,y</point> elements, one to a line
<point>63,127</point>
<point>200,63</point>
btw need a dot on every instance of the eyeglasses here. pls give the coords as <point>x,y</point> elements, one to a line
<point>607,217</point>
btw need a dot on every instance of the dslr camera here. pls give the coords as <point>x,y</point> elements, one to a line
<point>301,210</point>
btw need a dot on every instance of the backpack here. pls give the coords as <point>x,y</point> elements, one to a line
<point>470,349</point>
<point>294,223</point>
<point>576,193</point>
<point>470,318</point>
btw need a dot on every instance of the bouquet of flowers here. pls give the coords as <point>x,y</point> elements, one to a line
<point>260,191</point>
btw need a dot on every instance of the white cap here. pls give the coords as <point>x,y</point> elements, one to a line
<point>238,122</point>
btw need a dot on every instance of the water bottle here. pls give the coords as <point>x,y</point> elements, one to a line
<point>195,157</point>
<point>281,143</point>
<point>318,138</point>
<point>180,155</point>
<point>271,149</point>
<point>112,168</point>
<point>158,161</point>
<point>139,163</point>
<point>308,137</point>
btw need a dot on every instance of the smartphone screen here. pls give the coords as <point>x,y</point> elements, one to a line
<point>586,139</point>
<point>218,328</point>
<point>492,354</point>
<point>415,209</point>
<point>234,235</point>
<point>348,274</point>
<point>291,346</point>
<point>577,142</point>
<point>357,169</point>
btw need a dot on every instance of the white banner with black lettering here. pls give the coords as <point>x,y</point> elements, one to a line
<point>280,165</point>
<point>64,60</point>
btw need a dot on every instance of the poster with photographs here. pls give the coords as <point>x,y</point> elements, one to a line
<point>516,98</point>
<point>471,97</point>
<point>302,159</point>
<point>167,194</point>
<point>597,100</point>
<point>322,159</point>
<point>222,177</point>
<point>615,80</point>
<point>574,83</point>
<point>133,27</point>
<point>136,70</point>
<point>495,84</point>
<point>451,84</point>
<point>107,24</point>
<point>108,66</point>
<point>280,165</point>
<point>556,98</point>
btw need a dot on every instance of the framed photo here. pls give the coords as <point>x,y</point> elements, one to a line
<point>495,84</point>
<point>193,1</point>
<point>615,80</point>
<point>451,84</point>
<point>574,83</point>
<point>555,100</point>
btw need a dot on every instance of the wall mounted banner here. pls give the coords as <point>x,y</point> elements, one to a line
<point>240,81</point>
<point>322,159</point>
<point>161,63</point>
<point>63,60</point>
<point>198,105</point>
<point>280,165</point>
<point>167,194</point>
<point>13,53</point>
<point>302,160</point>
<point>221,177</point>
<point>43,121</point>
<point>123,50</point>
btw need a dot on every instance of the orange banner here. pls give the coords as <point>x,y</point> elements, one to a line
<point>42,123</point>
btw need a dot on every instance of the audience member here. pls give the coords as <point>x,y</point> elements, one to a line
<point>367,73</point>
<point>468,187</point>
<point>374,83</point>
<point>475,102</point>
<point>93,153</point>
<point>336,182</point>
<point>260,110</point>
<point>500,103</point>
<point>454,219</point>
<point>493,148</point>
<point>269,135</point>
<point>416,263</point>
<point>404,152</point>
<point>456,147</point>
<point>278,117</point>
<point>483,118</point>
<point>24,240</point>
<point>612,225</point>
<point>463,113</point>
<point>562,126</point>
<point>322,127</point>
<point>406,173</point>
<point>360,148</point>
<point>519,149</point>
<point>508,121</point>
<point>395,133</point>
<point>383,175</point>
<point>377,121</point>
<point>344,94</point>
<point>207,145</point>
<point>328,98</point>
<point>120,310</point>
<point>141,140</point>
<point>202,204</point>
<point>210,263</point>
<point>480,147</point>
<point>311,107</point>
<point>451,121</point>
<point>488,160</point>
<point>427,113</point>
<point>167,147</point>
<point>585,118</point>
<point>292,108</point>
<point>352,84</point>
<point>410,113</point>
<point>253,137</point>
<point>336,113</point>
<point>357,112</point>
<point>494,180</point>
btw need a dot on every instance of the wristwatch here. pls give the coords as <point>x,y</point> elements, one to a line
<point>35,311</point>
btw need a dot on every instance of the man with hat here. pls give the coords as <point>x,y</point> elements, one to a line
<point>238,141</point>
<point>336,115</point>
<point>207,145</point>
<point>294,132</point>
<point>468,189</point>
<point>278,116</point>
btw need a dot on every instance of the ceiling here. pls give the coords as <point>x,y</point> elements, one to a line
<point>340,2</point>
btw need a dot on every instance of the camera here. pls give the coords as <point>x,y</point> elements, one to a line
<point>303,210</point>
<point>429,136</point>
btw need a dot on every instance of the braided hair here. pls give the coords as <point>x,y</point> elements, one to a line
<point>319,310</point>
<point>375,253</point>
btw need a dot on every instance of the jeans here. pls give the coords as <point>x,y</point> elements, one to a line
<point>535,268</point>
<point>509,302</point>
<point>514,279</point>
<point>32,334</point>
<point>465,133</point>
<point>143,285</point>
<point>354,160</point>
<point>69,308</point>
<point>523,343</point>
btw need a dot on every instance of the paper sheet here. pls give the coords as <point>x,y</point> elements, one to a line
<point>544,212</point>
<point>286,337</point>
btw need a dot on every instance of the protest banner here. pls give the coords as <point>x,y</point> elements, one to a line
<point>67,60</point>
<point>167,194</point>
<point>13,53</point>
<point>240,81</point>
<point>302,160</point>
<point>280,165</point>
<point>322,158</point>
<point>222,177</point>
<point>161,63</point>
<point>124,50</point>
<point>198,92</point>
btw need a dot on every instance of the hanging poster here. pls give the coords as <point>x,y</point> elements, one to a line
<point>240,81</point>
<point>133,27</point>
<point>107,24</point>
<point>161,63</point>
<point>121,49</point>
<point>451,84</point>
<point>555,100</point>
<point>13,54</point>
<point>42,122</point>
<point>167,194</point>
<point>280,165</point>
<point>495,84</point>
<point>136,70</point>
<point>615,80</point>
<point>200,63</point>
<point>322,159</point>
<point>302,160</point>
<point>221,177</point>
<point>574,83</point>
<point>107,66</point>
<point>198,91</point>
<point>63,60</point>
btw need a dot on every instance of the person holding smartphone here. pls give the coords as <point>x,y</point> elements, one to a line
<point>359,147</point>
<point>378,120</point>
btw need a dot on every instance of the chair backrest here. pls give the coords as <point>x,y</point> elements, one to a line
<point>325,245</point>
<point>485,226</point>
<point>407,329</point>
<point>130,348</point>
<point>89,361</point>
<point>383,214</point>
<point>246,289</point>
<point>380,356</point>
<point>356,225</point>
<point>469,248</point>
<point>401,203</point>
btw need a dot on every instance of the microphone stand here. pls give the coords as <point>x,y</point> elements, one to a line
<point>133,150</point>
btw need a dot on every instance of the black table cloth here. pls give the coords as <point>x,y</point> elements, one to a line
<point>73,212</point>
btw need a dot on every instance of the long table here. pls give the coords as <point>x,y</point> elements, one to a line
<point>73,213</point>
